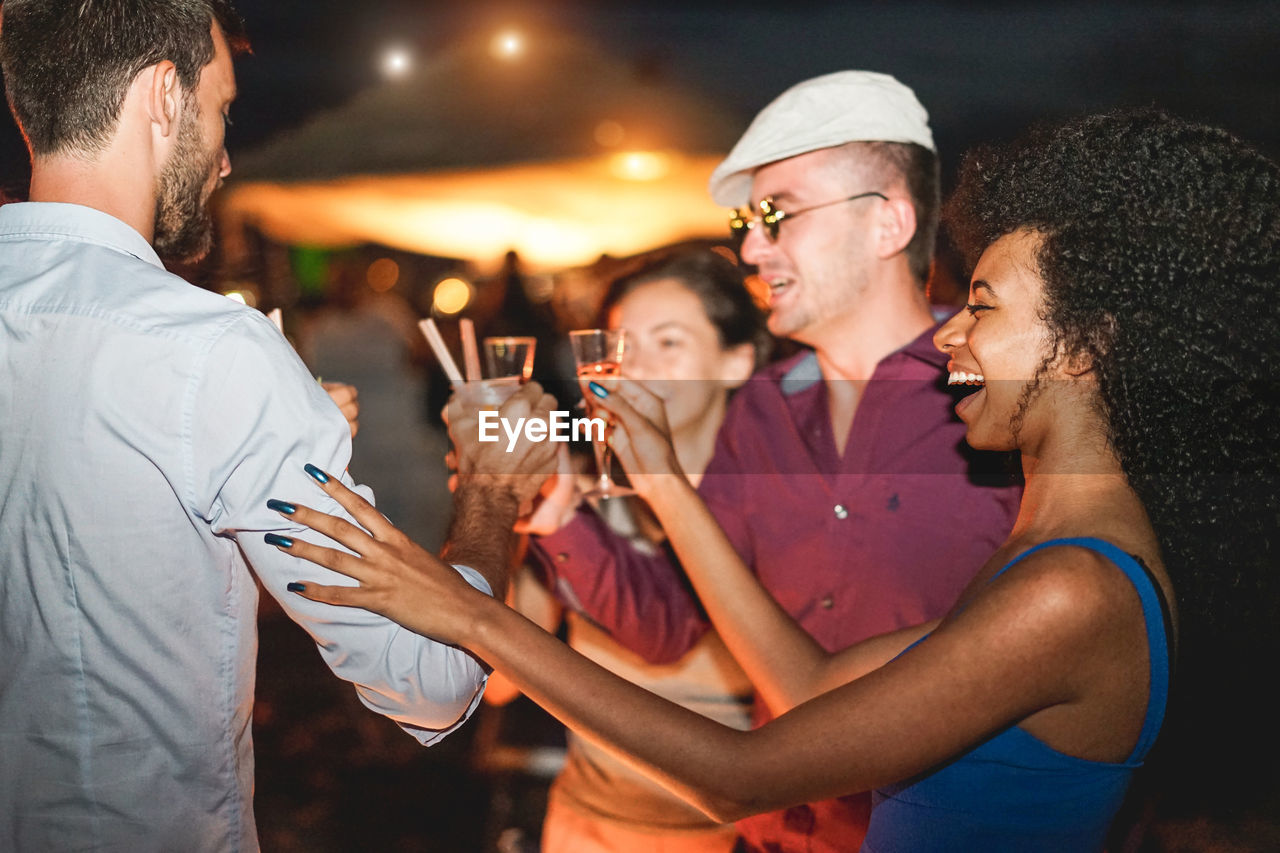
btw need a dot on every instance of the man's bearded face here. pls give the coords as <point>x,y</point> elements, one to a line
<point>184,223</point>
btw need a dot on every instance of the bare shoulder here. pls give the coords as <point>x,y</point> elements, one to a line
<point>1064,588</point>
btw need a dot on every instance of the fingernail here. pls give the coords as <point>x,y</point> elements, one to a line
<point>281,506</point>
<point>316,474</point>
<point>598,390</point>
<point>278,540</point>
<point>296,587</point>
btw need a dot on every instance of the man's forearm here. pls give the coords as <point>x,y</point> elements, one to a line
<point>480,535</point>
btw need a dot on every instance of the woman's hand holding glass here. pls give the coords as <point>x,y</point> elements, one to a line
<point>640,438</point>
<point>598,355</point>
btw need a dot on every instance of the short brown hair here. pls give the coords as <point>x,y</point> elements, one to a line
<point>919,169</point>
<point>67,66</point>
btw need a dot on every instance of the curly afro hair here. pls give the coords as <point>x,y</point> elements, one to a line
<point>1160,260</point>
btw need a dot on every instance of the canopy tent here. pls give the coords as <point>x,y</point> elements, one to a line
<point>561,153</point>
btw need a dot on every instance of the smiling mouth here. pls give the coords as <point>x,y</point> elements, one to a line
<point>959,377</point>
<point>779,285</point>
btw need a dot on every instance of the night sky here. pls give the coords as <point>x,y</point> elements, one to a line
<point>983,70</point>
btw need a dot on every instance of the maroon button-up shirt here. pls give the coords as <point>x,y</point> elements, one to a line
<point>884,537</point>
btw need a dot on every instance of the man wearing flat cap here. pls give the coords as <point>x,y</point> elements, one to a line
<point>840,475</point>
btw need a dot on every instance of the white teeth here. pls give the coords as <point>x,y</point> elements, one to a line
<point>959,377</point>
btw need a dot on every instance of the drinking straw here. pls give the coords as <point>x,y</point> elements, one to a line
<point>432,334</point>
<point>470,354</point>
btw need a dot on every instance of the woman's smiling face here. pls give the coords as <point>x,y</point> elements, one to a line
<point>1001,340</point>
<point>675,349</point>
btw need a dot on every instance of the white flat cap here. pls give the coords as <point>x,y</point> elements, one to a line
<point>823,112</point>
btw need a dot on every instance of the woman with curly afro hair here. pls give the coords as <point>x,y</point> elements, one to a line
<point>1122,333</point>
<point>1159,253</point>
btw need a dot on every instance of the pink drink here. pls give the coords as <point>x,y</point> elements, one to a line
<point>599,370</point>
<point>598,354</point>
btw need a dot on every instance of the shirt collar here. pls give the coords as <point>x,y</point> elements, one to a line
<point>803,371</point>
<point>74,222</point>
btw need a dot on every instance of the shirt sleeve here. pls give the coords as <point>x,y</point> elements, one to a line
<point>643,600</point>
<point>257,417</point>
<point>640,599</point>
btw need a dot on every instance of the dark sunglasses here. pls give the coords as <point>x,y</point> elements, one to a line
<point>743,220</point>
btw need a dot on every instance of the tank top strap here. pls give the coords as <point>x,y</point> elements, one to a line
<point>1155,614</point>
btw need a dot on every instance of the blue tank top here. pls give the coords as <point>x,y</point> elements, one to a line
<point>1015,793</point>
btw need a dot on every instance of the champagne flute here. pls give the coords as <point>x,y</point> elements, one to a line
<point>598,355</point>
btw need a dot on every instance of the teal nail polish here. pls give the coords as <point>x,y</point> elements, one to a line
<point>296,587</point>
<point>598,390</point>
<point>278,540</point>
<point>316,474</point>
<point>281,506</point>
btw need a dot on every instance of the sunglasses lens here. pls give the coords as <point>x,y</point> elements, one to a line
<point>771,217</point>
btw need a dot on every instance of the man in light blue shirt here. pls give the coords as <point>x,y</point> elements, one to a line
<point>144,424</point>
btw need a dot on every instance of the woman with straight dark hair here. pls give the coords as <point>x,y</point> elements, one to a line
<point>693,336</point>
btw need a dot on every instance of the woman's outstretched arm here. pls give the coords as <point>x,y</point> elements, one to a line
<point>785,664</point>
<point>1028,643</point>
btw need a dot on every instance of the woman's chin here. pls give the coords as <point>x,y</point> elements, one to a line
<point>980,437</point>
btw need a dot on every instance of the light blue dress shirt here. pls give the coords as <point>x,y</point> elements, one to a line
<point>144,423</point>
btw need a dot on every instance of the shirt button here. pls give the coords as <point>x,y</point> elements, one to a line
<point>827,602</point>
<point>562,557</point>
<point>841,512</point>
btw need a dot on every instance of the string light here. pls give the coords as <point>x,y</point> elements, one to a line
<point>508,45</point>
<point>640,165</point>
<point>451,296</point>
<point>383,274</point>
<point>396,63</point>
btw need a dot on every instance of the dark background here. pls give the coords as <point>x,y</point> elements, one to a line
<point>333,776</point>
<point>983,69</point>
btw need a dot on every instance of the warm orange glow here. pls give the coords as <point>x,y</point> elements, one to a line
<point>507,45</point>
<point>610,133</point>
<point>640,165</point>
<point>237,296</point>
<point>726,253</point>
<point>451,296</point>
<point>555,214</point>
<point>759,290</point>
<point>383,274</point>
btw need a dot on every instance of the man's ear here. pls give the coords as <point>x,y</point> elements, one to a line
<point>164,96</point>
<point>896,226</point>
